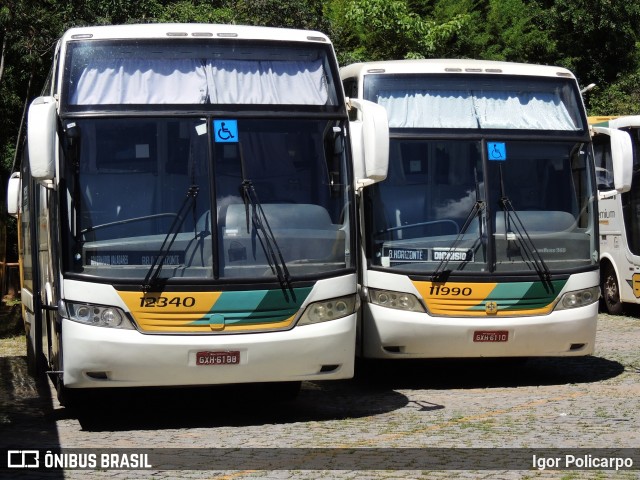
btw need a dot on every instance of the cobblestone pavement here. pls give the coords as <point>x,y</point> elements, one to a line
<point>463,411</point>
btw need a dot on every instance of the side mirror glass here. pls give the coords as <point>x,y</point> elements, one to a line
<point>41,137</point>
<point>369,141</point>
<point>13,194</point>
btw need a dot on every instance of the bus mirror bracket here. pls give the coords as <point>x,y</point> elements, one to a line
<point>369,142</point>
<point>41,137</point>
<point>13,194</point>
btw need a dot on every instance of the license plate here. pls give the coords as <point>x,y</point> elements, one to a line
<point>218,358</point>
<point>491,336</point>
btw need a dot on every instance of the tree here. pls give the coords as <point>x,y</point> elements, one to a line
<point>306,14</point>
<point>621,97</point>
<point>389,29</point>
<point>596,39</point>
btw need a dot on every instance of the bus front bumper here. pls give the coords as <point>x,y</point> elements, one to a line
<point>389,333</point>
<point>106,357</point>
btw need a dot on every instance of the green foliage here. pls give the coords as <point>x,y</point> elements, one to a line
<point>506,30</point>
<point>305,14</point>
<point>389,29</point>
<point>195,12</point>
<point>622,97</point>
<point>597,39</point>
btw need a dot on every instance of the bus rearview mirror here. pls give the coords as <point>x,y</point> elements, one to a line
<point>41,137</point>
<point>369,142</point>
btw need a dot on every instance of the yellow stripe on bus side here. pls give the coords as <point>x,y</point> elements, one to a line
<point>169,311</point>
<point>479,299</point>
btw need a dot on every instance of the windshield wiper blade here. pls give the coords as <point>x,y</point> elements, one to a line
<point>477,209</point>
<point>523,238</point>
<point>262,231</point>
<point>154,271</point>
<point>441,269</point>
<point>521,234</point>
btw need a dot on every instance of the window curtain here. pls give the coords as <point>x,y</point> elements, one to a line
<point>127,81</point>
<point>191,81</point>
<point>267,82</point>
<point>468,109</point>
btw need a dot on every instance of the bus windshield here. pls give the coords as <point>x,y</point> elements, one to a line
<point>227,197</point>
<point>514,193</point>
<point>205,158</point>
<point>442,205</point>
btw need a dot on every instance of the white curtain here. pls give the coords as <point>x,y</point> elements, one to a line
<point>190,81</point>
<point>468,109</point>
<point>428,110</point>
<point>267,82</point>
<point>126,81</point>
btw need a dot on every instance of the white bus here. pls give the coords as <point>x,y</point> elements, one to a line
<point>619,206</point>
<point>482,241</point>
<point>186,204</point>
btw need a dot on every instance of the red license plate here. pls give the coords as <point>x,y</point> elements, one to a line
<point>491,336</point>
<point>218,358</point>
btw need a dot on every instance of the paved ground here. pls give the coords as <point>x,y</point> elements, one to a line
<point>422,419</point>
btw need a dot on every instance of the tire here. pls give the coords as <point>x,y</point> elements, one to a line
<point>611,291</point>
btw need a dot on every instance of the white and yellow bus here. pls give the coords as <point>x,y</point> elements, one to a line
<point>483,239</point>
<point>619,205</point>
<point>186,204</point>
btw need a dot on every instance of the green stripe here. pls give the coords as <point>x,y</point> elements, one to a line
<point>254,306</point>
<point>523,295</point>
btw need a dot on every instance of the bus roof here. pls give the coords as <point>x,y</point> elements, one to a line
<point>615,121</point>
<point>179,31</point>
<point>625,121</point>
<point>463,66</point>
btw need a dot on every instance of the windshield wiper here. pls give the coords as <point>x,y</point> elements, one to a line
<point>441,269</point>
<point>167,243</point>
<point>262,231</point>
<point>476,210</point>
<point>521,235</point>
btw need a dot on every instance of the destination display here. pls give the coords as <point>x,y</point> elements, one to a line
<point>398,256</point>
<point>99,258</point>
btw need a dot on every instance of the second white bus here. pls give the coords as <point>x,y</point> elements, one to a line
<point>619,204</point>
<point>483,239</point>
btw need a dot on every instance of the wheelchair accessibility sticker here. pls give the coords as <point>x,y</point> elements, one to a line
<point>225,131</point>
<point>497,151</point>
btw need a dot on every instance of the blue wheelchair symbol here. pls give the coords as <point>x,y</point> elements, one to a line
<point>225,131</point>
<point>496,151</point>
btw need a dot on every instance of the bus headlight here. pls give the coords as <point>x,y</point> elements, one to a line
<point>97,315</point>
<point>327,310</point>
<point>397,300</point>
<point>579,298</point>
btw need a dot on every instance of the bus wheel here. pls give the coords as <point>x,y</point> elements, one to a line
<point>611,291</point>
